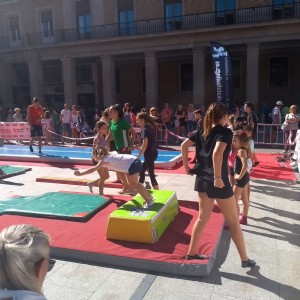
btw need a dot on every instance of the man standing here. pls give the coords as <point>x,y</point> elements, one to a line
<point>65,117</point>
<point>276,119</point>
<point>34,118</point>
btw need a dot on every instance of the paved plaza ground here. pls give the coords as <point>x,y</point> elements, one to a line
<point>272,238</point>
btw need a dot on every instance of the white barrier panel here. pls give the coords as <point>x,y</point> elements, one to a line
<point>14,130</point>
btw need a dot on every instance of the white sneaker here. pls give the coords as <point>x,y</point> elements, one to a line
<point>90,185</point>
<point>148,205</point>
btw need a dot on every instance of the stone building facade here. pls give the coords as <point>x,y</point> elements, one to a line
<point>146,52</point>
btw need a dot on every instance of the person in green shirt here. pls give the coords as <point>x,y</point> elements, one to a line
<point>122,133</point>
<point>120,130</point>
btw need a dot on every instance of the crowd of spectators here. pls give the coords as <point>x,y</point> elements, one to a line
<point>180,120</point>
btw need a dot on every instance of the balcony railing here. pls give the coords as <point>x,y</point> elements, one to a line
<point>186,22</point>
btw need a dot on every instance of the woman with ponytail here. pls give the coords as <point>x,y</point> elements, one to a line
<point>213,144</point>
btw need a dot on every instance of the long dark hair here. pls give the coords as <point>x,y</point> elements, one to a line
<point>146,117</point>
<point>215,112</point>
<point>98,125</point>
<point>119,110</point>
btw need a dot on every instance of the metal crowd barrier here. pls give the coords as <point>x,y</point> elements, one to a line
<point>269,134</point>
<point>161,134</point>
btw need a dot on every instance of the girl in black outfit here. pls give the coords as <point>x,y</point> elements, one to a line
<point>149,148</point>
<point>180,115</point>
<point>213,145</point>
<point>241,176</point>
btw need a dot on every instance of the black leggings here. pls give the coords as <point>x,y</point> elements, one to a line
<point>148,165</point>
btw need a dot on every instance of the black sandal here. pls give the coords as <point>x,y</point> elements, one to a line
<point>197,256</point>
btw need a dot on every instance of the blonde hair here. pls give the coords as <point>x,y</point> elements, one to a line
<point>293,107</point>
<point>102,151</point>
<point>21,248</point>
<point>215,112</point>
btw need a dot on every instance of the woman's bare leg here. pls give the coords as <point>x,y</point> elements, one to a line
<point>205,209</point>
<point>133,181</point>
<point>229,210</point>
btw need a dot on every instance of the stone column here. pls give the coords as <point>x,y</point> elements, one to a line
<point>109,80</point>
<point>198,76</point>
<point>36,79</point>
<point>69,77</point>
<point>151,79</point>
<point>69,14</point>
<point>97,12</point>
<point>252,72</point>
<point>95,80</point>
<point>6,85</point>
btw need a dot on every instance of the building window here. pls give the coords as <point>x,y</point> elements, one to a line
<point>84,73</point>
<point>126,17</point>
<point>186,77</point>
<point>83,19</point>
<point>173,14</point>
<point>14,30</point>
<point>225,12</point>
<point>52,73</point>
<point>118,80</point>
<point>279,72</point>
<point>21,73</point>
<point>47,26</point>
<point>283,9</point>
<point>236,74</point>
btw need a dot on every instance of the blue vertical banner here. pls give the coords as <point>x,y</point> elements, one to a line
<point>222,71</point>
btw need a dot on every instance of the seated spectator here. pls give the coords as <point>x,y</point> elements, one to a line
<point>24,262</point>
<point>17,117</point>
<point>155,115</point>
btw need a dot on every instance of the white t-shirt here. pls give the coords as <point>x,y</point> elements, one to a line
<point>276,115</point>
<point>20,295</point>
<point>65,114</point>
<point>190,116</point>
<point>294,125</point>
<point>119,162</point>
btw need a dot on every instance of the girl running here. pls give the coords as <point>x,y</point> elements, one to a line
<point>126,164</point>
<point>241,175</point>
<point>148,149</point>
<point>101,128</point>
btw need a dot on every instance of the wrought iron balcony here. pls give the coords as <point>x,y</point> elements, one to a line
<point>153,26</point>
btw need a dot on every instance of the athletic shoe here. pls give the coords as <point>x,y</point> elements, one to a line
<point>250,263</point>
<point>148,205</point>
<point>30,148</point>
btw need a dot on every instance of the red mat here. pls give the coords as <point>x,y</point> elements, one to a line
<point>90,236</point>
<point>76,181</point>
<point>269,168</point>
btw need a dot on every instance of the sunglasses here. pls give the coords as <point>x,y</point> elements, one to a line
<point>51,263</point>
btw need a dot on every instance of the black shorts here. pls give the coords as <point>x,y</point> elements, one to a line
<point>243,181</point>
<point>231,171</point>
<point>36,130</point>
<point>207,186</point>
<point>135,167</point>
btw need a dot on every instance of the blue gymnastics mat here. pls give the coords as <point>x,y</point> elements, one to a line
<point>75,155</point>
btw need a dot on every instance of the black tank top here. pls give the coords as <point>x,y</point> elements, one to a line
<point>238,163</point>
